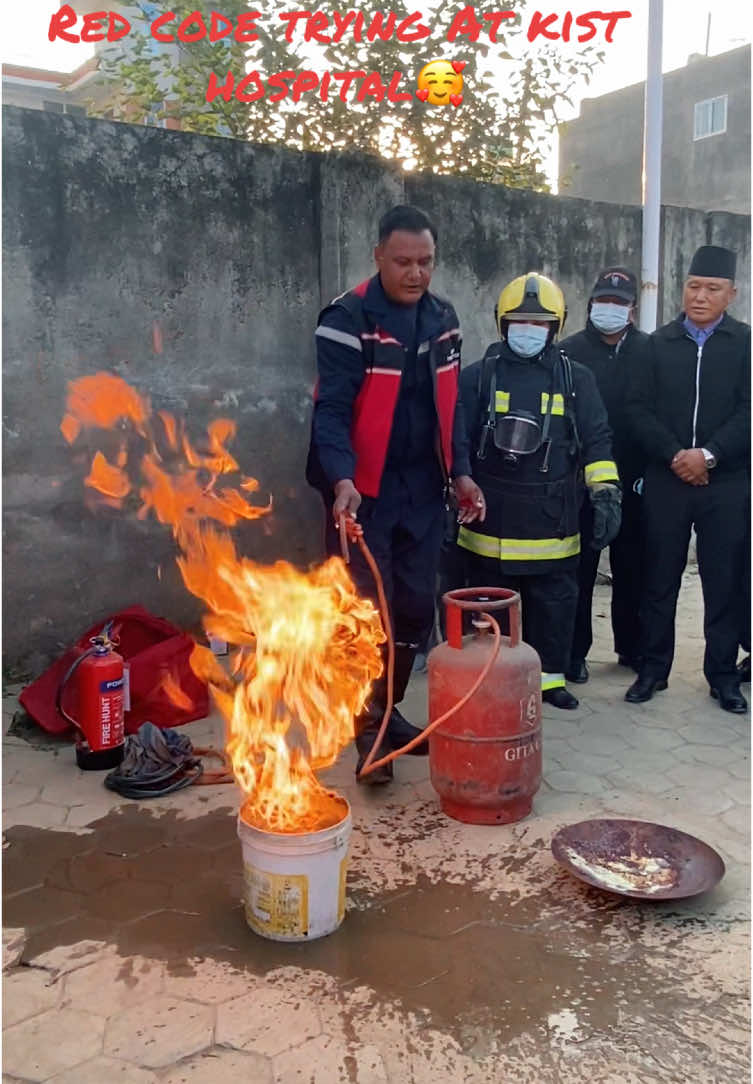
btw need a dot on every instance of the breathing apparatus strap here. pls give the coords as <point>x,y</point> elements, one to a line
<point>487,429</point>
<point>568,389</point>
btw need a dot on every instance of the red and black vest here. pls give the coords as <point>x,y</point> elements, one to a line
<point>374,406</point>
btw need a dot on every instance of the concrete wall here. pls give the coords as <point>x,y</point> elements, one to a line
<point>601,151</point>
<point>117,236</point>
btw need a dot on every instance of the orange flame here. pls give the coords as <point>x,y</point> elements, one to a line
<point>308,646</point>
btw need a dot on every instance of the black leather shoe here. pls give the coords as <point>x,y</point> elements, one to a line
<point>644,688</point>
<point>578,672</point>
<point>400,732</point>
<point>731,699</point>
<point>743,669</point>
<point>381,775</point>
<point>629,661</point>
<point>560,698</point>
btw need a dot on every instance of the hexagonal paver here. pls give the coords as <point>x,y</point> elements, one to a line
<point>266,1021</point>
<point>35,815</point>
<point>27,992</point>
<point>702,733</point>
<point>158,1032</point>
<point>104,1071</point>
<point>212,982</point>
<point>42,907</point>
<point>18,794</point>
<point>51,1043</point>
<point>220,1065</point>
<point>651,737</point>
<point>641,780</point>
<point>328,1059</point>
<point>691,775</point>
<point>127,899</point>
<point>606,745</point>
<point>114,983</point>
<point>573,782</point>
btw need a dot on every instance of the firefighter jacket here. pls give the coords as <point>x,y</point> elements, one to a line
<point>612,365</point>
<point>387,394</point>
<point>689,396</point>
<point>533,505</point>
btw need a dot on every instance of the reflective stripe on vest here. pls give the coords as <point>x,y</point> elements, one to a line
<point>502,402</point>
<point>558,403</point>
<point>603,470</point>
<point>552,681</point>
<point>519,549</point>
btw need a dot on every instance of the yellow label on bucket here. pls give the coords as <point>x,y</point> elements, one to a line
<point>277,903</point>
<point>341,892</point>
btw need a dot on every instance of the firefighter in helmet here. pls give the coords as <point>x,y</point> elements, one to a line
<point>538,432</point>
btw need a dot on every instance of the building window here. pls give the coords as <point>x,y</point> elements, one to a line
<point>710,117</point>
<point>53,107</point>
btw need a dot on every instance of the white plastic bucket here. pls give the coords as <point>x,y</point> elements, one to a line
<point>294,885</point>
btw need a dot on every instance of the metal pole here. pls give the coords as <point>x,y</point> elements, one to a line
<point>708,33</point>
<point>652,145</point>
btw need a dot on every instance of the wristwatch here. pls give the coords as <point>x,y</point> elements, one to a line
<point>709,457</point>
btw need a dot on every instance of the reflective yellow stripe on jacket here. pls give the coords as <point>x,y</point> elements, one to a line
<point>502,402</point>
<point>558,403</point>
<point>519,549</point>
<point>602,470</point>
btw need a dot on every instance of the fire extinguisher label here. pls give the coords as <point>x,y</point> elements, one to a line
<point>111,713</point>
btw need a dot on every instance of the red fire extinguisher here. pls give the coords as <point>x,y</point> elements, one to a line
<point>98,693</point>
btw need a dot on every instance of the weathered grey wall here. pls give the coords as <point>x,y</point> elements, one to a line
<point>227,251</point>
<point>601,151</point>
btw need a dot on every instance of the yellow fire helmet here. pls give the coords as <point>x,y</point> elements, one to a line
<point>531,296</point>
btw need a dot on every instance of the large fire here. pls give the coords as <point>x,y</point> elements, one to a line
<point>307,645</point>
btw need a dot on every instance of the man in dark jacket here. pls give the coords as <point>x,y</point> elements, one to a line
<point>610,346</point>
<point>689,406</point>
<point>537,426</point>
<point>387,438</point>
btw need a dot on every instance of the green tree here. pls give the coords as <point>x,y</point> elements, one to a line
<point>500,133</point>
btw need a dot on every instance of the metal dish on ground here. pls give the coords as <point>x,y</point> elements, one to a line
<point>638,859</point>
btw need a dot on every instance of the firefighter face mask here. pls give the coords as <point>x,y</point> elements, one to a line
<point>517,434</point>
<point>526,340</point>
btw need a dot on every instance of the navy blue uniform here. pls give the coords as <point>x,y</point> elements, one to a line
<point>403,516</point>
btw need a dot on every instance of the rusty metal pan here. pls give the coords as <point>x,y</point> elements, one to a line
<point>638,859</point>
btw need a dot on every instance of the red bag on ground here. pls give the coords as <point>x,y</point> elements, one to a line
<point>163,688</point>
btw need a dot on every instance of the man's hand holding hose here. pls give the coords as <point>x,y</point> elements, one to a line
<point>347,499</point>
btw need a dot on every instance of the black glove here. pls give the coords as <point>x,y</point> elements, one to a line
<point>606,502</point>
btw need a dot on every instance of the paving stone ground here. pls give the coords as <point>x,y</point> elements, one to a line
<point>467,956</point>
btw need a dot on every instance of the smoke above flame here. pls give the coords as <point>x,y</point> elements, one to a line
<point>307,646</point>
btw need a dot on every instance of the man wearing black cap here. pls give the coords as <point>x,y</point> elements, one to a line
<point>611,345</point>
<point>689,405</point>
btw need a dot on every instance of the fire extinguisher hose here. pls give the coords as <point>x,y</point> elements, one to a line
<point>350,530</point>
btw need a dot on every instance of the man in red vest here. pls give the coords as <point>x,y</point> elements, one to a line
<point>388,443</point>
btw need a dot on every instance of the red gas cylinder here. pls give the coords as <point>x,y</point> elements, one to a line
<point>485,760</point>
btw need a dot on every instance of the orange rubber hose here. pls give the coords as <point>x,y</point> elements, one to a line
<point>370,765</point>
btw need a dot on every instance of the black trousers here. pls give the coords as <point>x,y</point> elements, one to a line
<point>720,513</point>
<point>745,595</point>
<point>405,541</point>
<point>626,563</point>
<point>548,601</point>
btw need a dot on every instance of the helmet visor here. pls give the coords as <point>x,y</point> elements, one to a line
<point>517,434</point>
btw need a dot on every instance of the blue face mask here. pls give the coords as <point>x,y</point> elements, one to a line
<point>526,340</point>
<point>608,317</point>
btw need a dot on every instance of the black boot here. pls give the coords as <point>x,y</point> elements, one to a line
<point>743,669</point>
<point>560,698</point>
<point>399,730</point>
<point>364,744</point>
<point>577,672</point>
